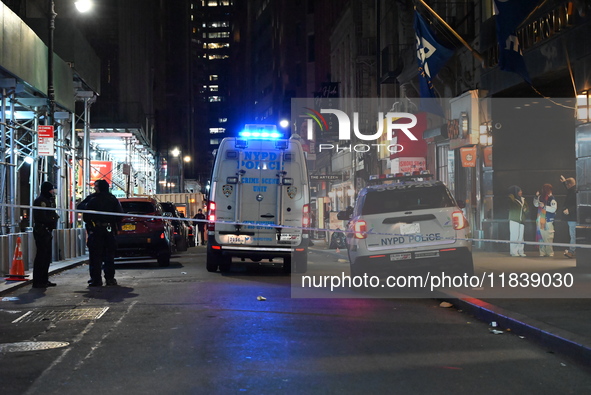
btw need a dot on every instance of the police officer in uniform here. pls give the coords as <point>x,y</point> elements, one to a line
<point>45,221</point>
<point>101,229</point>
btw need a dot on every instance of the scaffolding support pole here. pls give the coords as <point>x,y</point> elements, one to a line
<point>3,166</point>
<point>86,147</point>
<point>13,171</point>
<point>74,181</point>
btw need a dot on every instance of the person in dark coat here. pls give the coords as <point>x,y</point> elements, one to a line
<point>518,209</point>
<point>570,212</point>
<point>45,221</point>
<point>101,229</point>
<point>201,225</point>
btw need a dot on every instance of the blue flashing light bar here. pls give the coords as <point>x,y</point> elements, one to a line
<point>266,132</point>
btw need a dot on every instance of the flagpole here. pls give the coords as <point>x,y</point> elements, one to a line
<point>474,52</point>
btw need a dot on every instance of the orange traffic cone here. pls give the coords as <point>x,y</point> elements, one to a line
<point>17,270</point>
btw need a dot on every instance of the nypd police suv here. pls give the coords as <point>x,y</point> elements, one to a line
<point>409,225</point>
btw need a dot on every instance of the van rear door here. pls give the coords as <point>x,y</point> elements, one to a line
<point>260,167</point>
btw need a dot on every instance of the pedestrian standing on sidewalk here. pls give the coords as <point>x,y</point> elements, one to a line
<point>45,221</point>
<point>518,208</point>
<point>546,204</point>
<point>101,229</point>
<point>570,212</point>
<point>200,226</point>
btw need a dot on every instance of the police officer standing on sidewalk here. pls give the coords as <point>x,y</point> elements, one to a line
<point>101,229</point>
<point>45,221</point>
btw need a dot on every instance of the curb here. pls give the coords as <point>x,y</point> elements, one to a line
<point>557,340</point>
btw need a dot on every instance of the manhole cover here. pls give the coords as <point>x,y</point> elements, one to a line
<point>31,346</point>
<point>62,315</point>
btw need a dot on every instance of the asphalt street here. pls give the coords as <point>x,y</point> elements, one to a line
<point>183,330</point>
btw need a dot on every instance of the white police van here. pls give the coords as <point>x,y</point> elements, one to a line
<point>259,201</point>
<point>414,225</point>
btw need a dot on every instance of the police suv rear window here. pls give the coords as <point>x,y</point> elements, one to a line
<point>406,199</point>
<point>138,207</point>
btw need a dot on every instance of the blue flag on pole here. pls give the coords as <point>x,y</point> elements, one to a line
<point>510,14</point>
<point>432,56</point>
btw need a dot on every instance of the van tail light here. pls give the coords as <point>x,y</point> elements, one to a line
<point>459,221</point>
<point>360,229</point>
<point>162,235</point>
<point>211,216</point>
<point>306,216</point>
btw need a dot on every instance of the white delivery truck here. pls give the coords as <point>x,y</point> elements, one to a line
<point>259,199</point>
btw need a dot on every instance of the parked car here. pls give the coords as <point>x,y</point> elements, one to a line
<point>181,228</point>
<point>192,239</point>
<point>408,225</point>
<point>146,234</point>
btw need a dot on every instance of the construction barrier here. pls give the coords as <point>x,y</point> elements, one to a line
<point>17,269</point>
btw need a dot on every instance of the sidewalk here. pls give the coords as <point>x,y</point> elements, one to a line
<point>559,324</point>
<point>55,267</point>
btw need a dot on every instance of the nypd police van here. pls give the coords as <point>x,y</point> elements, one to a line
<point>259,201</point>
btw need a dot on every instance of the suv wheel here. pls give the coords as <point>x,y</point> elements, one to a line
<point>164,258</point>
<point>357,270</point>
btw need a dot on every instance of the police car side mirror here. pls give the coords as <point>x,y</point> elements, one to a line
<point>343,215</point>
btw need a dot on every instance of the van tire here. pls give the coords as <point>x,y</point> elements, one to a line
<point>211,261</point>
<point>298,263</point>
<point>225,263</point>
<point>287,265</point>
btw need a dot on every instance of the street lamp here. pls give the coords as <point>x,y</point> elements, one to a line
<point>177,154</point>
<point>83,5</point>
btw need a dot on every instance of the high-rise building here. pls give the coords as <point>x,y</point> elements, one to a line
<point>211,24</point>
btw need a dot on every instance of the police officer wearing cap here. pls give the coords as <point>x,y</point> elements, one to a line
<point>101,229</point>
<point>45,221</point>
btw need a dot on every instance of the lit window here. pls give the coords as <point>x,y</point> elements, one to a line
<point>214,88</point>
<point>222,120</point>
<point>217,45</point>
<point>213,77</point>
<point>216,130</point>
<point>218,35</point>
<point>213,99</point>
<point>214,141</point>
<point>215,57</point>
<point>219,24</point>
